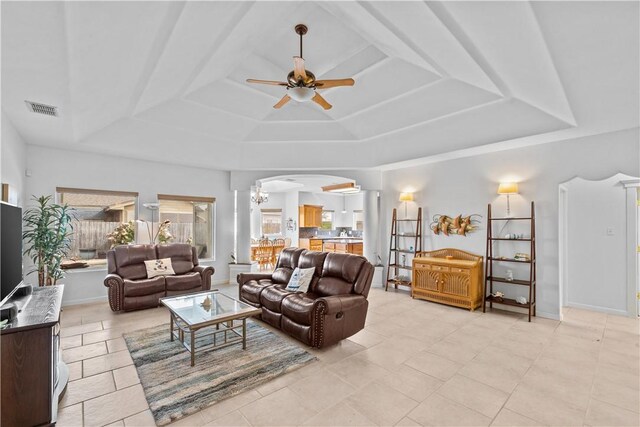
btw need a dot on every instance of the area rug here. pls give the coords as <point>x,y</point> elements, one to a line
<point>174,389</point>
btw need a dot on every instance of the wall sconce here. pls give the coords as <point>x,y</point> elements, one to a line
<point>291,224</point>
<point>406,197</point>
<point>508,188</point>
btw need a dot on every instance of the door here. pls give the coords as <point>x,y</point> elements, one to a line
<point>456,283</point>
<point>425,278</point>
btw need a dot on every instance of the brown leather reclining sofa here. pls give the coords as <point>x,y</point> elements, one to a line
<point>129,288</point>
<point>335,306</point>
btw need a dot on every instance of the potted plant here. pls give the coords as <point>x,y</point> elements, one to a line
<point>47,237</point>
<point>122,234</point>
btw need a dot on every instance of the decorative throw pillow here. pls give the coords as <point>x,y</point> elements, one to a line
<point>159,267</point>
<point>300,279</point>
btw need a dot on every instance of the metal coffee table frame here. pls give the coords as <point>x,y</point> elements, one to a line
<point>181,329</point>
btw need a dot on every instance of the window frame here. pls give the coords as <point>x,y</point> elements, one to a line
<point>59,199</point>
<point>282,222</point>
<point>355,222</point>
<point>333,219</point>
<point>197,199</point>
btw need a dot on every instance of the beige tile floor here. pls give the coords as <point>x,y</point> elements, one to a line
<point>415,363</point>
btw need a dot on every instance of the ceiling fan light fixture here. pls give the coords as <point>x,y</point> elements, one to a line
<point>301,94</point>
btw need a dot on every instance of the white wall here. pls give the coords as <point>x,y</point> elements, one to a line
<point>53,168</point>
<point>596,223</point>
<point>466,186</point>
<point>13,151</point>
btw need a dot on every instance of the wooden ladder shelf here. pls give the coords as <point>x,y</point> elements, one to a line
<point>490,278</point>
<point>398,248</point>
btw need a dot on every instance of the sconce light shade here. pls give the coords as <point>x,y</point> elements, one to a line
<point>508,188</point>
<point>406,197</point>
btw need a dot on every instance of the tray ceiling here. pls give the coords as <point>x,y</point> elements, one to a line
<point>166,80</point>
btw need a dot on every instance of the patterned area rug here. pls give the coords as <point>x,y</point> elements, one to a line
<point>174,389</point>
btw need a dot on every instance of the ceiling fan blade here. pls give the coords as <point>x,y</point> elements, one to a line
<point>298,68</point>
<point>282,101</point>
<point>318,99</point>
<point>326,84</point>
<point>267,82</point>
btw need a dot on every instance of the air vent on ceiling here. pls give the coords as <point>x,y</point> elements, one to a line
<point>36,107</point>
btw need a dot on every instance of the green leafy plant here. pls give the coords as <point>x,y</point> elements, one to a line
<point>47,237</point>
<point>122,234</point>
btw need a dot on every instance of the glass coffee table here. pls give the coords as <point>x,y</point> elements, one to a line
<point>196,317</point>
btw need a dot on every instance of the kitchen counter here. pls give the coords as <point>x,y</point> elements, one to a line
<point>325,238</point>
<point>343,240</point>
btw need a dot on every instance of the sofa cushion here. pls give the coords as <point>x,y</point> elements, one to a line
<point>141,302</point>
<point>287,262</point>
<point>137,288</point>
<point>312,259</point>
<point>184,282</point>
<point>299,307</point>
<point>299,332</point>
<point>252,289</point>
<point>272,297</point>
<point>181,256</point>
<point>130,260</point>
<point>339,273</point>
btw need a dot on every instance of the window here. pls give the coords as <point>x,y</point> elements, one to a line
<point>192,221</point>
<point>271,221</point>
<point>96,214</point>
<point>358,220</point>
<point>327,220</point>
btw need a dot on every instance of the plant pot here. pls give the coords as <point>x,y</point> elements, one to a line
<point>87,253</point>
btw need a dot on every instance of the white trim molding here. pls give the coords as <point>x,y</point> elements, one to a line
<point>633,281</point>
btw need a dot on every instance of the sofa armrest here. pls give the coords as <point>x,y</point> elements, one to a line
<point>205,273</point>
<point>116,291</point>
<point>340,303</point>
<point>245,277</point>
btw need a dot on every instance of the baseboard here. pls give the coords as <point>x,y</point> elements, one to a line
<point>598,309</point>
<point>85,301</point>
<point>221,282</point>
<point>546,315</point>
<point>543,314</point>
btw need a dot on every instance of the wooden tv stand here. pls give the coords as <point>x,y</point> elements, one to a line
<point>34,377</point>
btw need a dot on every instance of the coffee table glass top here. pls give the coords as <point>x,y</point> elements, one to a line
<point>193,308</point>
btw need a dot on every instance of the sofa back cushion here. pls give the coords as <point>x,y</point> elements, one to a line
<point>313,259</point>
<point>181,255</point>
<point>339,274</point>
<point>129,260</point>
<point>287,262</point>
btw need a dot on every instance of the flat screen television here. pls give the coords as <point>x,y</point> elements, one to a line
<point>10,249</point>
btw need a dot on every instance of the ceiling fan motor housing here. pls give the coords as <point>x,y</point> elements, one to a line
<point>309,81</point>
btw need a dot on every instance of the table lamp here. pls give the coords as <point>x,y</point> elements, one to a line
<point>508,188</point>
<point>406,197</point>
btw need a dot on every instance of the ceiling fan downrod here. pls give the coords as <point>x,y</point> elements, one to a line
<point>301,30</point>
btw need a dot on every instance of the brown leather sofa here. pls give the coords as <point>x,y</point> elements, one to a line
<point>129,288</point>
<point>335,306</point>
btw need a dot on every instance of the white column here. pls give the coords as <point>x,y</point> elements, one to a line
<point>243,230</point>
<point>371,225</point>
<point>631,186</point>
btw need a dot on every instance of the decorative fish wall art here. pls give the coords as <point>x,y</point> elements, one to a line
<point>460,225</point>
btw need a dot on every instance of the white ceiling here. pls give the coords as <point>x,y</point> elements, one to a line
<point>166,80</point>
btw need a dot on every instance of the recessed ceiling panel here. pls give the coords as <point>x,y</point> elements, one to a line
<point>353,66</point>
<point>299,132</point>
<point>196,32</point>
<point>327,43</point>
<point>444,97</point>
<point>296,111</point>
<point>109,44</point>
<point>237,98</point>
<point>193,117</point>
<point>387,80</point>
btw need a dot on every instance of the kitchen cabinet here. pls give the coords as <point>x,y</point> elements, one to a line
<point>310,215</point>
<point>310,244</point>
<point>343,248</point>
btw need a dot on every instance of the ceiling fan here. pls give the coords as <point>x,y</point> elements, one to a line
<point>301,84</point>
